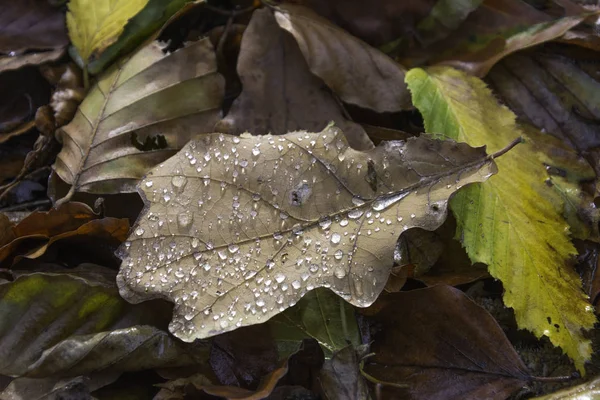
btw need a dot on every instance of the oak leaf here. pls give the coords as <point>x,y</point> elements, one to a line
<point>237,229</point>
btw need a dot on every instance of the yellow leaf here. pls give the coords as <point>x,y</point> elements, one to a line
<point>96,24</point>
<point>505,222</point>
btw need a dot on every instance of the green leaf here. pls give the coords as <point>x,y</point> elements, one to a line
<point>237,229</point>
<point>137,29</point>
<point>507,223</point>
<point>318,315</point>
<point>96,24</point>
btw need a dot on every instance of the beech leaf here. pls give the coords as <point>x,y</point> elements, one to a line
<point>138,114</point>
<point>358,73</point>
<point>96,24</point>
<point>506,223</point>
<point>237,229</point>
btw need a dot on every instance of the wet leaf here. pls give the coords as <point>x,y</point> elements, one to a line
<point>420,248</point>
<point>140,113</point>
<point>237,229</point>
<point>270,60</point>
<point>318,315</point>
<point>76,388</point>
<point>96,24</point>
<point>443,346</point>
<point>69,324</point>
<point>587,390</point>
<point>553,91</point>
<point>31,237</point>
<point>31,25</point>
<point>358,73</point>
<point>340,377</point>
<point>506,223</point>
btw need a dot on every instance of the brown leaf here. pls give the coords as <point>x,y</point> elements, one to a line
<point>280,94</point>
<point>37,232</point>
<point>340,377</point>
<point>553,89</point>
<point>23,91</point>
<point>358,73</point>
<point>443,346</point>
<point>31,25</point>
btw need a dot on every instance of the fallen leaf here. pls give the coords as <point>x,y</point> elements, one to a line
<point>318,315</point>
<point>32,237</point>
<point>69,324</point>
<point>506,223</point>
<point>76,388</point>
<point>140,113</point>
<point>443,346</point>
<point>420,248</point>
<point>8,63</point>
<point>587,390</point>
<point>552,92</point>
<point>493,31</point>
<point>237,361</point>
<point>143,25</point>
<point>270,62</point>
<point>31,25</point>
<point>237,229</point>
<point>358,73</point>
<point>96,24</point>
<point>340,377</point>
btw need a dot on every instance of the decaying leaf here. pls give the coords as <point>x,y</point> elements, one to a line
<point>32,236</point>
<point>237,229</point>
<point>506,223</point>
<point>493,31</point>
<point>442,346</point>
<point>553,91</point>
<point>588,390</point>
<point>358,73</point>
<point>318,315</point>
<point>96,24</point>
<point>74,388</point>
<point>74,322</point>
<point>140,113</point>
<point>340,376</point>
<point>270,62</point>
<point>31,25</point>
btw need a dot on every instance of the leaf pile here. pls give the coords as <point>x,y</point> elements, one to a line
<point>299,199</point>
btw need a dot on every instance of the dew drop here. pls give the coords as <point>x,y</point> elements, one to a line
<point>338,254</point>
<point>335,238</point>
<point>357,201</point>
<point>233,248</point>
<point>354,214</point>
<point>255,151</point>
<point>325,223</point>
<point>184,220</point>
<point>344,222</point>
<point>339,272</point>
<point>149,184</point>
<point>296,284</point>
<point>279,277</point>
<point>139,231</point>
<point>178,182</point>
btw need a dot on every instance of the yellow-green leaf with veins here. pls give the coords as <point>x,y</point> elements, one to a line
<point>505,222</point>
<point>237,229</point>
<point>96,24</point>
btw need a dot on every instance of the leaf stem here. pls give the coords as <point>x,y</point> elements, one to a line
<point>508,148</point>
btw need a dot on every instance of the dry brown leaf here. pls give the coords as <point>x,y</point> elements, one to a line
<point>237,229</point>
<point>140,112</point>
<point>358,73</point>
<point>270,62</point>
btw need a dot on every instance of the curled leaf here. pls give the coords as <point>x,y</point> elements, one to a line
<point>237,229</point>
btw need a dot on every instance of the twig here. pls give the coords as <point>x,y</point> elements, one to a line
<point>229,13</point>
<point>23,206</point>
<point>507,148</point>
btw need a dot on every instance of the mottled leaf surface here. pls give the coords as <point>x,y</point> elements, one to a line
<point>237,229</point>
<point>138,114</point>
<point>358,73</point>
<point>72,323</point>
<point>505,222</point>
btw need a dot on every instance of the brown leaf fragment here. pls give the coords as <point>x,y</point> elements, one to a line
<point>443,346</point>
<point>358,73</point>
<point>37,232</point>
<point>553,92</point>
<point>31,25</point>
<point>280,95</point>
<point>340,377</point>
